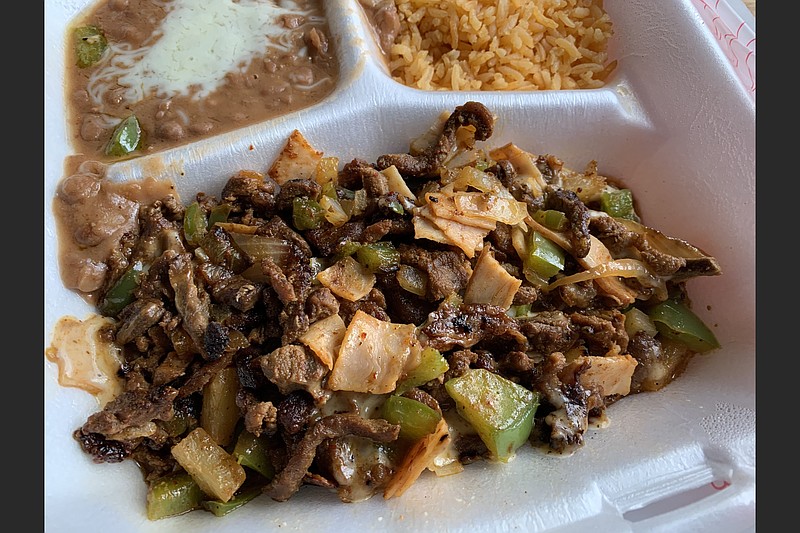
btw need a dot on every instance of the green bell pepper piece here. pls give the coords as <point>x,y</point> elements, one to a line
<point>499,410</point>
<point>414,418</point>
<point>180,424</point>
<point>307,213</point>
<point>637,320</point>
<point>329,190</point>
<point>252,452</point>
<point>222,250</point>
<point>432,365</point>
<point>222,508</point>
<point>396,207</point>
<point>545,259</point>
<point>121,294</point>
<point>346,249</point>
<point>675,320</point>
<point>618,204</point>
<point>519,310</point>
<point>219,213</point>
<point>90,43</point>
<point>195,224</point>
<point>378,257</point>
<point>551,218</point>
<point>127,137</point>
<point>172,495</point>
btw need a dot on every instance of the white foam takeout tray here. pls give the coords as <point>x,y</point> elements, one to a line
<point>676,123</point>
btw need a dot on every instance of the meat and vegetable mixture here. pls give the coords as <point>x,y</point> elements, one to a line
<point>350,324</point>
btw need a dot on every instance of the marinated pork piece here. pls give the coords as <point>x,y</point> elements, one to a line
<point>577,214</point>
<point>426,164</point>
<point>288,481</point>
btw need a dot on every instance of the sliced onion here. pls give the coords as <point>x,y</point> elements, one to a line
<point>235,227</point>
<point>334,212</point>
<point>397,183</point>
<point>623,268</point>
<point>373,355</point>
<point>412,279</point>
<point>444,206</point>
<point>490,283</point>
<point>417,459</point>
<point>324,337</point>
<point>477,179</point>
<point>447,231</point>
<point>664,243</point>
<point>525,165</point>
<point>559,237</point>
<point>348,279</point>
<point>502,209</point>
<point>430,137</point>
<point>588,185</point>
<point>260,247</point>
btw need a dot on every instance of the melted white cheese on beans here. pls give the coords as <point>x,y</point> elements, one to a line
<point>196,45</point>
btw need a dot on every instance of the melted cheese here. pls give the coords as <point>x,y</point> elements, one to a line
<point>86,358</point>
<point>196,45</point>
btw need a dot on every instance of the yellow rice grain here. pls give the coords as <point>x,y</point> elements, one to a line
<point>502,45</point>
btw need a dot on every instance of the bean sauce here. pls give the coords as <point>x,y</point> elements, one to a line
<point>189,70</point>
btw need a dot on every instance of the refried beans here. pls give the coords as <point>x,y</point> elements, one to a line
<point>190,70</point>
<point>95,216</point>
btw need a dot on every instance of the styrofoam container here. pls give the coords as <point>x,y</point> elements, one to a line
<point>676,123</point>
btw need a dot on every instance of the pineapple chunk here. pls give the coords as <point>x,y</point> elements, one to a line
<point>215,470</point>
<point>220,412</point>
